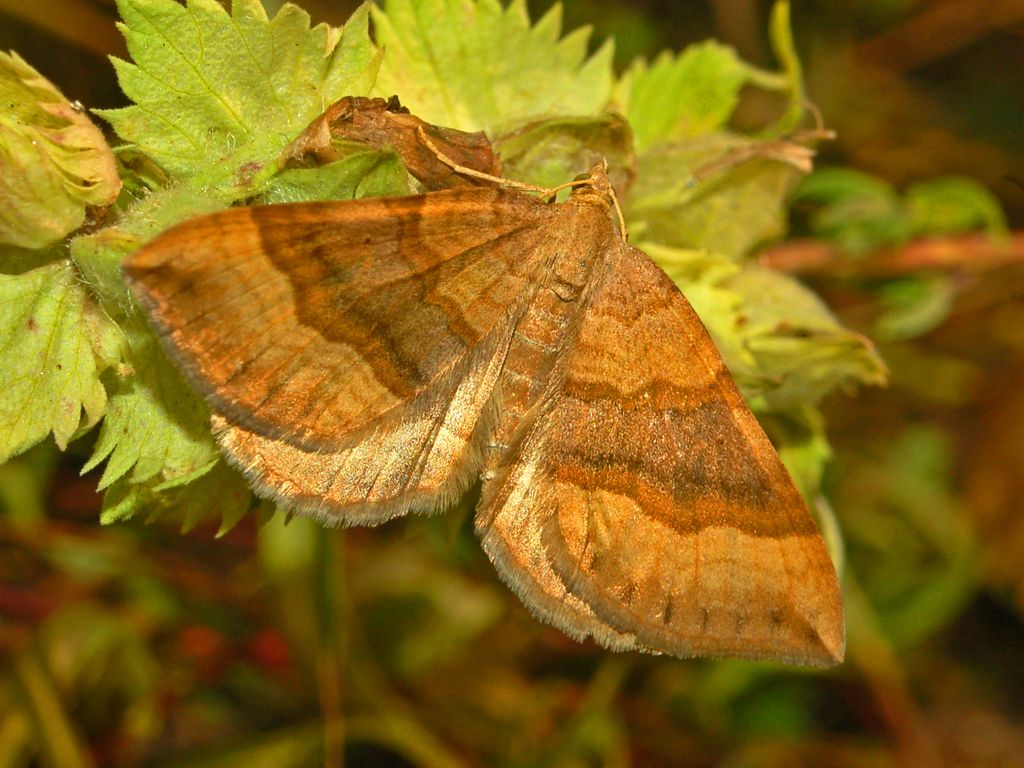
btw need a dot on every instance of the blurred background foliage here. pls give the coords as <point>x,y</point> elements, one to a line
<point>287,646</point>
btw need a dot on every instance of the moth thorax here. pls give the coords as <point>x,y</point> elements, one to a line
<point>570,271</point>
<point>569,276</point>
<point>539,338</point>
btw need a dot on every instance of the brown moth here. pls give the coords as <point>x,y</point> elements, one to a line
<point>371,358</point>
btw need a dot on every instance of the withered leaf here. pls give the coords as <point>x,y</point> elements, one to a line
<point>385,124</point>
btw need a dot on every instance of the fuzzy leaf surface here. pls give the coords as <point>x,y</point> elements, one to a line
<point>479,66</point>
<point>156,427</point>
<point>677,97</point>
<point>801,352</point>
<point>217,96</point>
<point>215,491</point>
<point>361,174</point>
<point>55,342</point>
<point>729,212</point>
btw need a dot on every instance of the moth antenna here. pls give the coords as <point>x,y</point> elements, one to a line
<point>623,230</point>
<point>464,171</point>
<point>545,192</point>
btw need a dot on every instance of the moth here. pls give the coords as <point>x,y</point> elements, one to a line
<point>367,359</point>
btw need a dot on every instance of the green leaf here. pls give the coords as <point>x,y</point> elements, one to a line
<point>122,501</point>
<point>835,185</point>
<point>728,213</point>
<point>156,426</point>
<point>699,185</point>
<point>99,255</point>
<point>212,491</point>
<point>550,152</point>
<point>217,97</point>
<point>696,92</point>
<point>858,211</point>
<point>682,96</point>
<point>54,343</point>
<point>910,541</point>
<point>361,174</point>
<point>477,66</point>
<point>861,212</point>
<point>952,204</point>
<point>800,351</point>
<point>222,492</point>
<point>155,438</point>
<point>913,306</point>
<point>34,210</point>
<point>781,344</point>
<point>799,436</point>
<point>53,161</point>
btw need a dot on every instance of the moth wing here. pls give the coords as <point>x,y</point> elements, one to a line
<point>421,457</point>
<point>308,322</point>
<point>662,505</point>
<point>348,350</point>
<point>512,535</point>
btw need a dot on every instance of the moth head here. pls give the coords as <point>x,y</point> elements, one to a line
<point>594,187</point>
